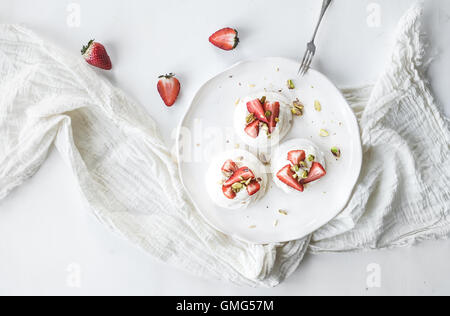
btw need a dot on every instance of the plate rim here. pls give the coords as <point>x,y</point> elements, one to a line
<point>358,149</point>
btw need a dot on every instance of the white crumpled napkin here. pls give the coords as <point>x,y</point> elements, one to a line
<point>129,181</point>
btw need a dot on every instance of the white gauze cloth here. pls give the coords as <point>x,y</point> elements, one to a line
<point>129,181</point>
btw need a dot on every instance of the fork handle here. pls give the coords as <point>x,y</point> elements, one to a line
<point>325,5</point>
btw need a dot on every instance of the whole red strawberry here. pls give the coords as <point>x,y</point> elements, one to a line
<point>95,54</point>
<point>168,88</point>
<point>226,39</point>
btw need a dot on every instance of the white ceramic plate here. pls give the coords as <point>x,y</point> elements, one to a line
<point>207,129</point>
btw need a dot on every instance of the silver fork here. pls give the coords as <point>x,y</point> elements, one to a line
<point>311,47</point>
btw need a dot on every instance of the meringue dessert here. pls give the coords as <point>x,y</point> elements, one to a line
<point>235,179</point>
<point>262,120</point>
<point>296,163</point>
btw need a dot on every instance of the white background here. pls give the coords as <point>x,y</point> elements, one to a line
<point>47,236</point>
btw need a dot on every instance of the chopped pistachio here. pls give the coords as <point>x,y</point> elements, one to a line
<point>290,84</point>
<point>237,101</point>
<point>305,174</point>
<point>251,85</point>
<point>336,152</point>
<point>237,186</point>
<point>263,100</point>
<point>297,108</point>
<point>295,176</point>
<point>252,227</point>
<point>282,212</point>
<point>248,182</point>
<point>250,118</point>
<point>311,158</point>
<point>324,133</point>
<point>275,224</point>
<point>317,106</point>
<point>277,119</point>
<point>295,168</point>
<point>268,114</point>
<point>303,164</point>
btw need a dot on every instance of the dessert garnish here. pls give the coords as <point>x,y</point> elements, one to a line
<point>336,152</point>
<point>297,108</point>
<point>317,106</point>
<point>324,133</point>
<point>263,115</point>
<point>296,175</point>
<point>290,84</point>
<point>237,179</point>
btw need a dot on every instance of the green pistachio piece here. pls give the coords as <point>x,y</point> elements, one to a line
<point>336,152</point>
<point>263,100</point>
<point>290,84</point>
<point>317,106</point>
<point>311,158</point>
<point>250,118</point>
<point>268,114</point>
<point>305,174</point>
<point>324,133</point>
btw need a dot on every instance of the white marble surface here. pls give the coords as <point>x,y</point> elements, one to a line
<point>49,242</point>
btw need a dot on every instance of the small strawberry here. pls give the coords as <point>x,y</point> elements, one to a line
<point>272,111</point>
<point>316,172</point>
<point>95,54</point>
<point>253,187</point>
<point>286,175</point>
<point>256,108</point>
<point>168,88</point>
<point>229,166</point>
<point>241,174</point>
<point>296,156</point>
<point>226,39</point>
<point>228,192</point>
<point>252,129</point>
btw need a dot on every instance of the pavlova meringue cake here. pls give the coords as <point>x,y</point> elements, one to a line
<point>235,179</point>
<point>263,119</point>
<point>296,163</point>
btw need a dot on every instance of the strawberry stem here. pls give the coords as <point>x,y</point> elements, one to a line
<point>85,48</point>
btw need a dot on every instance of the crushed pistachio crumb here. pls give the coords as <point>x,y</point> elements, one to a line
<point>317,106</point>
<point>237,101</point>
<point>251,85</point>
<point>336,152</point>
<point>283,212</point>
<point>250,118</point>
<point>311,158</point>
<point>324,133</point>
<point>305,174</point>
<point>263,100</point>
<point>275,224</point>
<point>252,226</point>
<point>290,84</point>
<point>268,114</point>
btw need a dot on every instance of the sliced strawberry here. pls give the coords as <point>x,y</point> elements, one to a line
<point>95,54</point>
<point>229,166</point>
<point>274,109</point>
<point>228,192</point>
<point>295,156</point>
<point>226,39</point>
<point>316,172</point>
<point>168,88</point>
<point>241,174</point>
<point>256,108</point>
<point>252,129</point>
<point>286,175</point>
<point>253,187</point>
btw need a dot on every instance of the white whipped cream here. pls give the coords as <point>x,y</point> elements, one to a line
<point>280,160</point>
<point>214,179</point>
<point>281,130</point>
